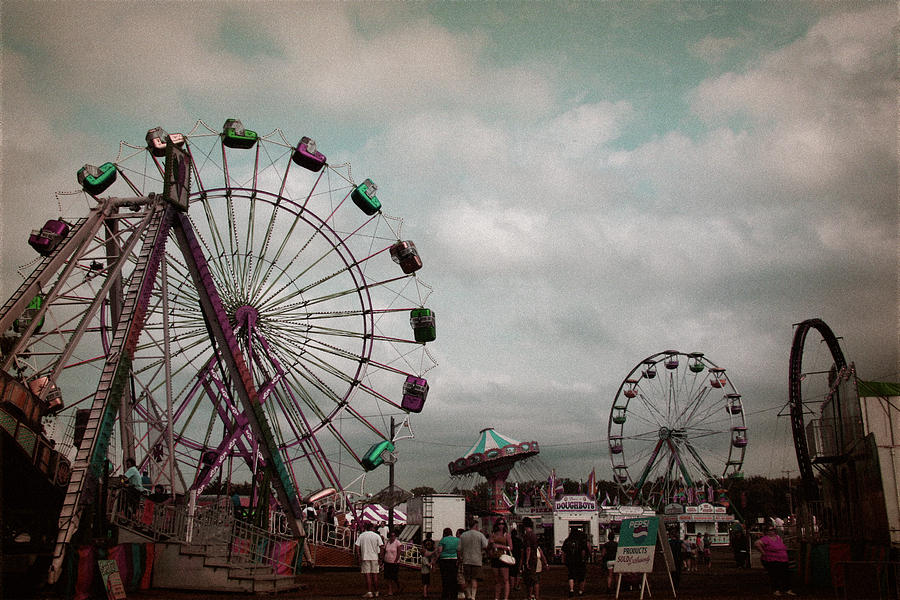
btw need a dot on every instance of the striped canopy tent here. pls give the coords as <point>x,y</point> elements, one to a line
<point>492,457</point>
<point>376,513</point>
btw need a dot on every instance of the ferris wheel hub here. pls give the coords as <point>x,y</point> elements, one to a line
<point>667,433</point>
<point>246,316</point>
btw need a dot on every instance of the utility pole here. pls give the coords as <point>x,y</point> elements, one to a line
<point>391,484</point>
<point>790,494</point>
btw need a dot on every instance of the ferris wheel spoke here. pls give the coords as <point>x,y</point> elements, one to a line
<point>697,419</point>
<point>649,405</point>
<point>647,419</point>
<point>297,219</point>
<point>690,409</point>
<point>709,476</point>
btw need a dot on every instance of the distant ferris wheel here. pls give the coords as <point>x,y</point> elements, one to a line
<point>676,429</point>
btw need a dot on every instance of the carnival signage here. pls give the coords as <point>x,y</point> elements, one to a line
<point>575,504</point>
<point>637,545</point>
<point>673,509</point>
<point>631,510</point>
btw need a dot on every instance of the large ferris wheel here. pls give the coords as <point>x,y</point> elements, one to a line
<point>230,301</point>
<point>676,429</point>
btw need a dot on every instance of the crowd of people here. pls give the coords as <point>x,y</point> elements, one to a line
<point>464,558</point>
<point>459,559</point>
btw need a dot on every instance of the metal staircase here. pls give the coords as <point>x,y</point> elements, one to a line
<point>220,552</point>
<point>91,456</point>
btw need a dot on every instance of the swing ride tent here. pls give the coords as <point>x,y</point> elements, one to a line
<point>493,452</point>
<point>492,457</point>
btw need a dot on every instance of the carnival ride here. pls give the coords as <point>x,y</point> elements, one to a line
<point>676,430</point>
<point>844,433</point>
<point>807,391</point>
<point>492,457</point>
<point>222,307</point>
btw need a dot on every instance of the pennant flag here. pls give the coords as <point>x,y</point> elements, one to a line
<point>592,485</point>
<point>546,498</point>
<point>606,501</point>
<point>557,487</point>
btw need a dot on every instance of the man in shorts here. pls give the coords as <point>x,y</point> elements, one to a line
<point>369,548</point>
<point>472,545</point>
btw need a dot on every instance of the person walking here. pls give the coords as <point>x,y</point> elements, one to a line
<point>609,558</point>
<point>501,544</point>
<point>774,556</point>
<point>575,554</point>
<point>675,547</point>
<point>446,557</point>
<point>688,549</point>
<point>516,569</point>
<point>472,545</point>
<point>368,549</point>
<point>392,563</point>
<point>533,560</point>
<point>700,545</point>
<point>428,556</point>
<point>739,547</point>
<point>707,552</point>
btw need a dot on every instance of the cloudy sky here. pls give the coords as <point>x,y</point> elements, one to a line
<point>588,183</point>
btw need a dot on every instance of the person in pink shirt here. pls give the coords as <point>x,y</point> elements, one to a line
<point>392,563</point>
<point>774,556</point>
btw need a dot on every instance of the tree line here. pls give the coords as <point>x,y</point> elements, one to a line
<point>748,499</point>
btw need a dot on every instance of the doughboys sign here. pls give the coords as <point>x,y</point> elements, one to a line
<point>637,545</point>
<point>575,504</point>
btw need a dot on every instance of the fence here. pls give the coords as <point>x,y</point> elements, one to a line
<point>868,580</point>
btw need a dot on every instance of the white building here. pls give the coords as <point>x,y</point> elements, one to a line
<point>704,518</point>
<point>576,512</point>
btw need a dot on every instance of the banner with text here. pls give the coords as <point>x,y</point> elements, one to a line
<point>637,545</point>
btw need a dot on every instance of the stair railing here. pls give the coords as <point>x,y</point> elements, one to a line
<point>253,546</point>
<point>212,524</point>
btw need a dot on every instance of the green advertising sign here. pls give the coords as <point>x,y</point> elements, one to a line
<point>637,545</point>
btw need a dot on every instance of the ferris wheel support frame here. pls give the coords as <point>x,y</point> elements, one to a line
<point>217,320</point>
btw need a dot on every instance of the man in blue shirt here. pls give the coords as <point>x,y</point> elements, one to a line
<point>134,477</point>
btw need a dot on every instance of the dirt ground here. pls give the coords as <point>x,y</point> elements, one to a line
<point>722,581</point>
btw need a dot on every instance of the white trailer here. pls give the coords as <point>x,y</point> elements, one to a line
<point>434,512</point>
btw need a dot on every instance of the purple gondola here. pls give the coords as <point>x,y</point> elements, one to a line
<point>46,239</point>
<point>415,391</point>
<point>307,156</point>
